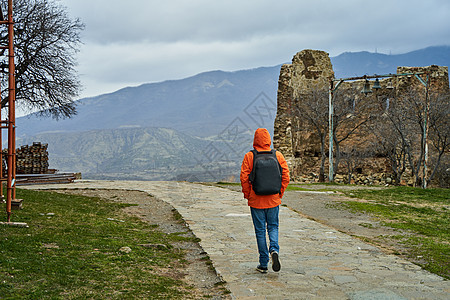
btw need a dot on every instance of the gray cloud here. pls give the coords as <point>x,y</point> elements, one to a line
<point>138,41</point>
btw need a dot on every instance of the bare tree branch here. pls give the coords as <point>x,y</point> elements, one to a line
<point>46,42</point>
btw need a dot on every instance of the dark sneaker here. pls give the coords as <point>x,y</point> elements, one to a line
<point>276,266</point>
<point>261,269</point>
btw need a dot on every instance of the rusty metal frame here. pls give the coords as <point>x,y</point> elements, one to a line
<point>11,120</point>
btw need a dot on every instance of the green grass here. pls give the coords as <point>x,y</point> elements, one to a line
<point>404,193</point>
<point>296,188</point>
<point>71,251</point>
<point>423,212</point>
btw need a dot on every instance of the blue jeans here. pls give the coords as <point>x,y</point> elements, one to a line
<point>261,218</point>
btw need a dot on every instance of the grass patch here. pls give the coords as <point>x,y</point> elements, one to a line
<point>403,194</point>
<point>422,212</point>
<point>228,183</point>
<point>317,186</point>
<point>295,188</point>
<point>71,250</point>
<point>327,183</point>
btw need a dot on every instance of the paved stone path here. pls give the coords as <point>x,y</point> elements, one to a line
<point>317,262</point>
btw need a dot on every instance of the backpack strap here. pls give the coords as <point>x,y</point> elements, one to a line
<point>279,165</point>
<point>251,176</point>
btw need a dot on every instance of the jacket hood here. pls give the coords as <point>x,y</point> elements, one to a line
<point>262,141</point>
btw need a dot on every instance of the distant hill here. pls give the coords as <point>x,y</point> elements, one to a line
<point>135,153</point>
<point>163,130</point>
<point>202,105</point>
<point>351,64</point>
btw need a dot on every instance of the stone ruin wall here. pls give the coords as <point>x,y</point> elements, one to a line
<point>300,144</point>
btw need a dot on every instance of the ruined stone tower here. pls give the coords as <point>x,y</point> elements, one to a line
<point>311,70</point>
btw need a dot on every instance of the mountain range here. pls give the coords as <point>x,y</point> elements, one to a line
<point>126,131</point>
<point>351,64</point>
<point>201,105</point>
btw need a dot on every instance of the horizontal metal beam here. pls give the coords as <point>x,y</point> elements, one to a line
<point>378,76</point>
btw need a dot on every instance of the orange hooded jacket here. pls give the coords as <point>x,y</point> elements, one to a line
<point>262,142</point>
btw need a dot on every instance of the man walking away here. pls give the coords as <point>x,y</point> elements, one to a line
<point>264,178</point>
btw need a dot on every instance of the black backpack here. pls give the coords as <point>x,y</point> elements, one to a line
<point>266,174</point>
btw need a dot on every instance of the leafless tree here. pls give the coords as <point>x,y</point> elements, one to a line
<point>352,156</point>
<point>400,135</point>
<point>352,115</point>
<point>382,125</point>
<point>312,107</point>
<point>389,142</point>
<point>46,41</point>
<point>439,128</point>
<point>404,132</point>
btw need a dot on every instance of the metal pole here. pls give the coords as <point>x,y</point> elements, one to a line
<point>11,112</point>
<point>426,110</point>
<point>425,133</point>
<point>330,127</point>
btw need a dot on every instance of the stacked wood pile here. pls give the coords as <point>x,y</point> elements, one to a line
<point>32,166</point>
<point>30,159</point>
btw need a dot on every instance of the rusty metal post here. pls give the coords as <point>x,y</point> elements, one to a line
<point>2,19</point>
<point>11,113</point>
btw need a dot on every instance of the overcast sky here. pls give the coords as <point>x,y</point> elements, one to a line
<point>130,42</point>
